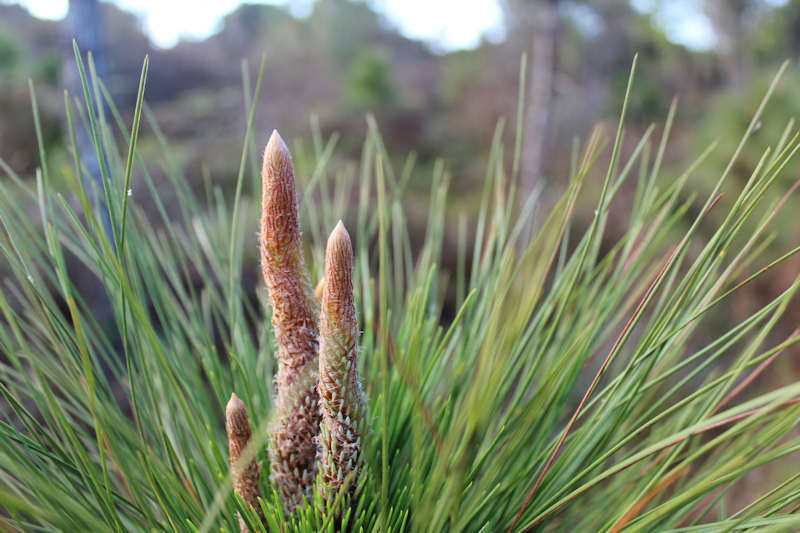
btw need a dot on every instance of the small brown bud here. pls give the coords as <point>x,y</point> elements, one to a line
<point>246,476</point>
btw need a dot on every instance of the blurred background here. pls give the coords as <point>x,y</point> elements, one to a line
<point>437,75</point>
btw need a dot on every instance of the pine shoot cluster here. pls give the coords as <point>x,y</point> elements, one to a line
<point>320,412</point>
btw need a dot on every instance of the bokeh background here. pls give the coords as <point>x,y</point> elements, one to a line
<point>437,76</point>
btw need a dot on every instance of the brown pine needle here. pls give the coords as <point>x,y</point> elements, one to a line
<point>647,498</point>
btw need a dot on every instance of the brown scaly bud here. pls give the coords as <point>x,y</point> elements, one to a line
<point>244,476</point>
<point>292,449</point>
<point>341,399</point>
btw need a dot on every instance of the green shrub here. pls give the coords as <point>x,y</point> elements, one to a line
<point>369,81</point>
<point>9,53</point>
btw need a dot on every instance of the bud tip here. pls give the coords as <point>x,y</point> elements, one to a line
<point>234,407</point>
<point>276,152</point>
<point>276,142</point>
<point>339,233</point>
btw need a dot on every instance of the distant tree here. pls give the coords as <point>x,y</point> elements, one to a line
<point>84,23</point>
<point>9,53</point>
<point>775,35</point>
<point>544,67</point>
<point>344,27</point>
<point>730,26</point>
<point>369,81</point>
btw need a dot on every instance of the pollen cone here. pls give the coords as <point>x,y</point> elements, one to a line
<point>341,399</point>
<point>295,425</point>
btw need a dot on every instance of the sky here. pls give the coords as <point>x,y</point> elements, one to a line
<point>166,21</point>
<point>433,21</point>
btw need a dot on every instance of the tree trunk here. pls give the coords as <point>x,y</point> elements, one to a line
<point>84,24</point>
<point>544,65</point>
<point>727,19</point>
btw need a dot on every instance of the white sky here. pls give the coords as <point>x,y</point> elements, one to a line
<point>682,20</point>
<point>445,24</point>
<point>166,21</point>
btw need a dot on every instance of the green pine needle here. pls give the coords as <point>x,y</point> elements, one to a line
<point>576,388</point>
